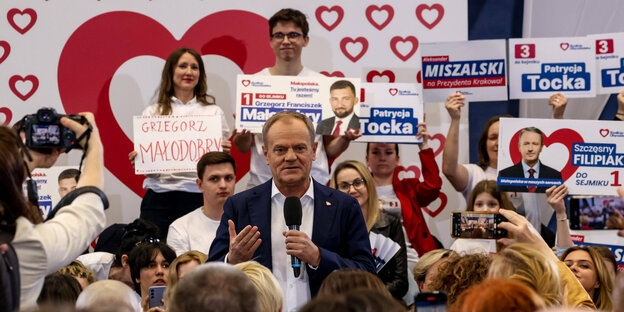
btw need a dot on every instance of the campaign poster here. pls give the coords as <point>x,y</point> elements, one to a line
<point>168,143</point>
<point>49,191</point>
<point>609,62</point>
<point>539,67</point>
<point>475,68</point>
<point>586,155</point>
<point>331,103</point>
<point>390,112</point>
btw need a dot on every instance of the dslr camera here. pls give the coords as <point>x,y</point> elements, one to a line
<point>44,130</point>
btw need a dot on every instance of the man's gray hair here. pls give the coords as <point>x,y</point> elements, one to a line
<point>532,129</point>
<point>109,295</point>
<point>286,114</point>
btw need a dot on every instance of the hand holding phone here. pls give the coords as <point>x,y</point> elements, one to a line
<point>156,294</point>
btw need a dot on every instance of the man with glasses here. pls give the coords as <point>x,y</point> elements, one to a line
<point>288,32</point>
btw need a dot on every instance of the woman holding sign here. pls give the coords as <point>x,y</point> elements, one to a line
<point>182,91</point>
<point>353,178</point>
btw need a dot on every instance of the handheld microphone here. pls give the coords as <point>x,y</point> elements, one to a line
<point>292,216</point>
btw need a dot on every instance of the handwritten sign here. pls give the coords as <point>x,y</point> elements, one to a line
<point>390,112</point>
<point>587,155</point>
<point>609,62</point>
<point>539,67</point>
<point>260,97</point>
<point>168,143</point>
<point>475,68</point>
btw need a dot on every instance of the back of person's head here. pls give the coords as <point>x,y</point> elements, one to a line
<point>215,287</point>
<point>214,158</point>
<point>290,15</point>
<point>78,271</point>
<point>109,294</point>
<point>143,255</point>
<point>523,263</point>
<point>602,295</point>
<point>355,300</point>
<point>270,293</point>
<point>343,280</point>
<point>618,293</point>
<point>497,295</point>
<point>426,261</point>
<point>186,257</point>
<point>135,232</point>
<point>59,289</point>
<point>460,272</point>
<point>489,186</point>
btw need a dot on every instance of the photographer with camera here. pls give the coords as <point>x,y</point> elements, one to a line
<point>44,247</point>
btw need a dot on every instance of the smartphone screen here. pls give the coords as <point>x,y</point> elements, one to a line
<point>156,294</point>
<point>596,213</point>
<point>472,224</point>
<point>430,302</point>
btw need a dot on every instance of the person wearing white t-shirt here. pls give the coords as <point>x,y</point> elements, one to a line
<point>196,230</point>
<point>289,35</point>
<point>182,92</point>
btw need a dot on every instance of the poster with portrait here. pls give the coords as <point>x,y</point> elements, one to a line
<point>539,67</point>
<point>586,155</point>
<point>390,112</point>
<point>476,68</point>
<point>609,62</point>
<point>170,143</point>
<point>331,103</point>
<point>51,186</point>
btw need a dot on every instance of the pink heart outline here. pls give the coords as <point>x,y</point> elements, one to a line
<point>346,40</point>
<point>11,18</point>
<point>435,212</point>
<point>438,7</point>
<point>333,74</point>
<point>319,16</point>
<point>14,79</point>
<point>6,48</point>
<point>396,39</point>
<point>369,15</point>
<point>8,115</point>
<point>373,73</point>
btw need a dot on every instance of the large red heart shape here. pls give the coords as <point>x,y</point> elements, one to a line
<point>604,132</point>
<point>419,14</point>
<point>443,201</point>
<point>564,136</point>
<point>411,172</point>
<point>21,94</point>
<point>323,9</point>
<point>404,56</point>
<point>333,74</point>
<point>373,73</point>
<point>11,18</point>
<point>8,115</point>
<point>348,40</point>
<point>6,49</point>
<point>442,139</point>
<point>103,43</point>
<point>564,46</point>
<point>372,9</point>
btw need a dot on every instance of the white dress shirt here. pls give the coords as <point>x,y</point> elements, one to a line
<point>344,125</point>
<point>296,290</point>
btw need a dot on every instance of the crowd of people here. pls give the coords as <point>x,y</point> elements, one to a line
<point>197,246</point>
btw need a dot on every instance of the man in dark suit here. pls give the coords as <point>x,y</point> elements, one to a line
<point>333,233</point>
<point>530,144</point>
<point>342,98</point>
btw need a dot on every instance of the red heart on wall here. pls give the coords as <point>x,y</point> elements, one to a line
<point>323,9</point>
<point>12,14</point>
<point>21,94</point>
<point>411,172</point>
<point>372,9</point>
<point>348,40</point>
<point>564,136</point>
<point>440,13</point>
<point>373,73</point>
<point>404,56</point>
<point>442,139</point>
<point>105,42</point>
<point>333,74</point>
<point>443,201</point>
<point>8,115</point>
<point>6,49</point>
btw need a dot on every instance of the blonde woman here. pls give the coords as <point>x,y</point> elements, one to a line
<point>184,264</point>
<point>589,268</point>
<point>353,178</point>
<point>270,293</point>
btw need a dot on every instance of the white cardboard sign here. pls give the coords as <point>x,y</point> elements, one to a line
<point>609,62</point>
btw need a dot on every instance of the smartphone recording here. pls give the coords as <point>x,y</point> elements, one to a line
<point>472,224</point>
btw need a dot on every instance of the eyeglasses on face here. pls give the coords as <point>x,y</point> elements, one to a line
<point>291,35</point>
<point>357,184</point>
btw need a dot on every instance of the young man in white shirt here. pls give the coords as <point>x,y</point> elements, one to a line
<point>289,35</point>
<point>216,173</point>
